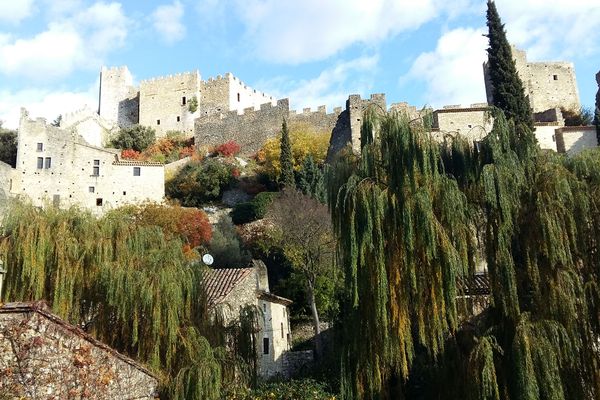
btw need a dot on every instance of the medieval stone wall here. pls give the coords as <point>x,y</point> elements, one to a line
<point>55,167</point>
<point>164,102</point>
<point>90,126</point>
<point>574,139</point>
<point>472,122</point>
<point>250,129</point>
<point>547,84</point>
<point>119,100</point>
<point>214,95</point>
<point>40,359</point>
<point>274,339</point>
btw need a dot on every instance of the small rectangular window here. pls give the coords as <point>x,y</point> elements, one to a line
<point>48,163</point>
<point>40,162</point>
<point>178,118</point>
<point>282,330</point>
<point>238,97</point>
<point>40,147</point>
<point>96,162</point>
<point>266,345</point>
<point>158,122</point>
<point>183,100</point>
<point>56,200</point>
<point>555,77</point>
<point>96,171</point>
<point>91,189</point>
<point>553,138</point>
<point>137,171</point>
<point>124,193</point>
<point>99,202</point>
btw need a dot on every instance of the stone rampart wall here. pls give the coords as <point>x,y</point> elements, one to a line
<point>164,102</point>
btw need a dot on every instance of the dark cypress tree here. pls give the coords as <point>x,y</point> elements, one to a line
<point>286,160</point>
<point>507,88</point>
<point>311,179</point>
<point>597,109</point>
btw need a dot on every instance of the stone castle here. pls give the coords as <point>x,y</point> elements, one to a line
<point>68,165</point>
<point>171,103</point>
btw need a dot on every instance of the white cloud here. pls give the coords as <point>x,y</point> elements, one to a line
<point>306,30</point>
<point>44,103</point>
<point>552,28</point>
<point>14,11</point>
<point>331,87</point>
<point>453,72</point>
<point>167,20</point>
<point>81,40</point>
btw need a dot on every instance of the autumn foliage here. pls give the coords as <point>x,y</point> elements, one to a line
<point>305,142</point>
<point>166,149</point>
<point>228,149</point>
<point>189,224</point>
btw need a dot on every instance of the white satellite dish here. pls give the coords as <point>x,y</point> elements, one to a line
<point>207,259</point>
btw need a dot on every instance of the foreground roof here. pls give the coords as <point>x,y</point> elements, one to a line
<point>41,308</point>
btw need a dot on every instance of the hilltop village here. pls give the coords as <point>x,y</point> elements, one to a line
<point>246,258</point>
<point>71,165</point>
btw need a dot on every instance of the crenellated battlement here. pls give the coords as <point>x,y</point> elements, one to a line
<point>171,77</point>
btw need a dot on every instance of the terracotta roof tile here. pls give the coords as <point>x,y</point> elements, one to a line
<point>476,285</point>
<point>218,283</point>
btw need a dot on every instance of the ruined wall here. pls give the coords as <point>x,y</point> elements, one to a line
<point>164,102</point>
<point>574,139</point>
<point>94,129</point>
<point>472,122</point>
<point>250,129</point>
<point>119,101</point>
<point>68,177</point>
<point>545,134</point>
<point>40,359</point>
<point>547,84</point>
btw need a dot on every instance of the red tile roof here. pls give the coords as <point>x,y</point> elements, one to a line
<point>218,283</point>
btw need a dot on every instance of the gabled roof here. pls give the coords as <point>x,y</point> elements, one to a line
<point>41,308</point>
<point>218,283</point>
<point>476,285</point>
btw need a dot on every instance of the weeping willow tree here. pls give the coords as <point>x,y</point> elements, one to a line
<point>411,214</point>
<point>404,238</point>
<point>127,285</point>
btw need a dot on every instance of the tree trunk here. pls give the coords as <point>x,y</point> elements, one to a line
<point>316,326</point>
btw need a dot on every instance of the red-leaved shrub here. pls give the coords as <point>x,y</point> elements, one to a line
<point>228,149</point>
<point>130,154</point>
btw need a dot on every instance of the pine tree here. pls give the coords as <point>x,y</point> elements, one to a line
<point>507,88</point>
<point>286,159</point>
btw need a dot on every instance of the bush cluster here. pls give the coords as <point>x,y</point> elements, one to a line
<point>252,210</point>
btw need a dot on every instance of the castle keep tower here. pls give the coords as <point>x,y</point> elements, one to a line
<point>547,84</point>
<point>170,103</point>
<point>119,100</point>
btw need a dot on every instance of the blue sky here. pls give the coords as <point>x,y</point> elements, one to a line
<point>313,51</point>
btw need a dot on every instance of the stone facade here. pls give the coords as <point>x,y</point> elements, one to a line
<point>574,139</point>
<point>90,126</point>
<point>230,290</point>
<point>165,102</point>
<point>43,357</point>
<point>119,99</point>
<point>473,122</point>
<point>252,128</point>
<point>58,167</point>
<point>547,84</point>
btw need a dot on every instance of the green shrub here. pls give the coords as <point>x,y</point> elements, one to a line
<point>252,210</point>
<point>136,137</point>
<point>199,182</point>
<point>305,389</point>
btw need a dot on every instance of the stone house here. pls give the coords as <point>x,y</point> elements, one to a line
<point>43,357</point>
<point>229,290</point>
<point>58,167</point>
